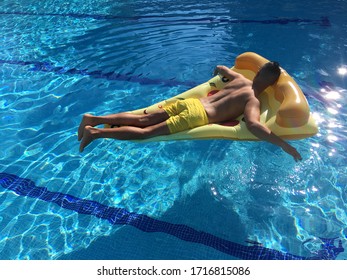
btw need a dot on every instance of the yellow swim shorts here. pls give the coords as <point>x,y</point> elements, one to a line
<point>185,114</point>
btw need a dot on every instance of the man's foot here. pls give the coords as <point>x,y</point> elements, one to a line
<point>86,120</point>
<point>88,136</point>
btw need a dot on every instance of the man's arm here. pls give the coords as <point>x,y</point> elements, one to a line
<point>225,72</point>
<point>252,116</point>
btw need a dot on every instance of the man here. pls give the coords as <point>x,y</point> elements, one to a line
<point>239,96</point>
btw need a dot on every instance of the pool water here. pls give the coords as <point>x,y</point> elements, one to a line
<point>211,199</point>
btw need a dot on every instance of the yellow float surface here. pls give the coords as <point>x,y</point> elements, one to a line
<point>284,108</point>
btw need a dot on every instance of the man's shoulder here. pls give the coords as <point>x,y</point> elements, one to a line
<point>251,100</point>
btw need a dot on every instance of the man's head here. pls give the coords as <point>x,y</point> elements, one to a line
<point>268,74</point>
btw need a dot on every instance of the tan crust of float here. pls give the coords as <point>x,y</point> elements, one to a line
<point>284,108</point>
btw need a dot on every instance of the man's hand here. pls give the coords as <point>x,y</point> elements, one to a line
<point>292,151</point>
<point>216,70</point>
<point>226,72</point>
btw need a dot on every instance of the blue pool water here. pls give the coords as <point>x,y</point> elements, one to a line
<point>170,200</point>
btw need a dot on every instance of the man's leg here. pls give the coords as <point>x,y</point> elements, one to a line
<point>123,133</point>
<point>120,119</point>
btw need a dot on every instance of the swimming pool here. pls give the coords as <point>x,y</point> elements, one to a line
<point>169,200</point>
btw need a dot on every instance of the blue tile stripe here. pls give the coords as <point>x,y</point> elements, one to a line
<point>113,76</point>
<point>120,216</point>
<point>323,21</point>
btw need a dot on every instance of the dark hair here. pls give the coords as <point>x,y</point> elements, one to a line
<point>274,68</point>
<point>268,73</point>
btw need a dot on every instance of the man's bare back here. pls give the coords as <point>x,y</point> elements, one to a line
<point>229,102</point>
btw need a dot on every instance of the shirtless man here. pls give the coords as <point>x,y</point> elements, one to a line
<point>239,96</point>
